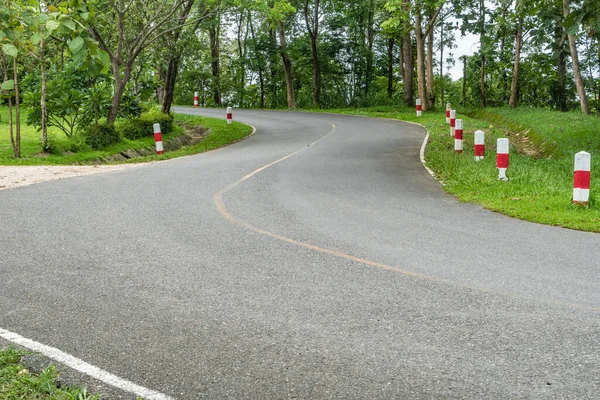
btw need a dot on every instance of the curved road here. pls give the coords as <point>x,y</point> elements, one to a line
<point>315,259</point>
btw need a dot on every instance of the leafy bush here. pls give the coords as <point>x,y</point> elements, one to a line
<point>143,126</point>
<point>101,136</point>
<point>73,144</point>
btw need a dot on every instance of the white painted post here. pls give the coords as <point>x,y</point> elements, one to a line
<point>502,147</point>
<point>419,108</point>
<point>158,139</point>
<point>581,181</point>
<point>195,99</point>
<point>458,136</point>
<point>452,122</point>
<point>448,108</point>
<point>229,115</point>
<point>479,150</point>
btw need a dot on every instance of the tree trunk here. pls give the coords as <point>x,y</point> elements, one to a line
<point>213,34</point>
<point>120,84</point>
<point>421,84</point>
<point>482,50</point>
<point>576,68</point>
<point>170,80</point>
<point>442,63</point>
<point>430,77</point>
<point>561,67</point>
<point>464,83</point>
<point>482,82</point>
<point>514,86</point>
<point>174,58</point>
<point>313,32</point>
<point>261,78</point>
<point>160,87</point>
<point>408,56</point>
<point>287,67</point>
<point>503,77</point>
<point>43,99</point>
<point>370,40</point>
<point>390,69</point>
<point>10,108</point>
<point>17,143</point>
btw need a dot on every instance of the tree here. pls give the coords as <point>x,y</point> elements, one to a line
<point>575,59</point>
<point>124,30</point>
<point>312,25</point>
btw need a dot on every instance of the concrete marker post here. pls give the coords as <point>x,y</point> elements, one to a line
<point>479,148</point>
<point>452,122</point>
<point>158,139</point>
<point>448,108</point>
<point>419,108</point>
<point>502,150</point>
<point>195,99</point>
<point>229,115</point>
<point>582,178</point>
<point>458,136</point>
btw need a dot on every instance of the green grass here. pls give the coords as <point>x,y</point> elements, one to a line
<point>16,382</point>
<point>540,172</point>
<point>221,134</point>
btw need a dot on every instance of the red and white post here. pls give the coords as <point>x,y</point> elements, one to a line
<point>581,184</point>
<point>448,108</point>
<point>502,158</point>
<point>158,139</point>
<point>479,150</point>
<point>229,115</point>
<point>419,108</point>
<point>195,99</point>
<point>458,136</point>
<point>452,122</point>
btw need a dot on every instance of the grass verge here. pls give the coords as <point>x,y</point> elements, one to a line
<point>16,382</point>
<point>220,135</point>
<point>541,162</point>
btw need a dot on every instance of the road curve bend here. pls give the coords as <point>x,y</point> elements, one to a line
<point>315,259</point>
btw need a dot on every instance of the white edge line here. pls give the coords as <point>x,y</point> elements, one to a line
<point>83,367</point>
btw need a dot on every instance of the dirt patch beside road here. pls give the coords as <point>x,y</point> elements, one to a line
<point>15,176</point>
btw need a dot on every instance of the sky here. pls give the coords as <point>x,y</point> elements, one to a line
<point>467,45</point>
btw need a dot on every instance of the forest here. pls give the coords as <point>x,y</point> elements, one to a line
<point>86,66</point>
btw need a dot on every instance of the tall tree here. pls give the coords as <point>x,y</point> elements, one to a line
<point>575,60</point>
<point>311,18</point>
<point>124,30</point>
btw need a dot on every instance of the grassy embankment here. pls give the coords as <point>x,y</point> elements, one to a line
<point>543,145</point>
<point>16,382</point>
<point>221,134</point>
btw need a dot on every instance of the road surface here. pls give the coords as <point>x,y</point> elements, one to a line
<point>315,259</point>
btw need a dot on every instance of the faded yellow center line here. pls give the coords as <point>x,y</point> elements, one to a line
<point>222,209</point>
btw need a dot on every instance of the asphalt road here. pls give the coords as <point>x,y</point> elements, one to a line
<point>343,271</point>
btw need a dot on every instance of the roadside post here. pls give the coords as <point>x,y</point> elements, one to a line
<point>229,115</point>
<point>458,136</point>
<point>419,108</point>
<point>479,150</point>
<point>502,147</point>
<point>452,122</point>
<point>158,139</point>
<point>581,179</point>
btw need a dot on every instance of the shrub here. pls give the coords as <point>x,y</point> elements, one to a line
<point>73,144</point>
<point>136,128</point>
<point>100,136</point>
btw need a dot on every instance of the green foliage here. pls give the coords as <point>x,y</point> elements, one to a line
<point>74,144</point>
<point>16,382</point>
<point>143,126</point>
<point>101,135</point>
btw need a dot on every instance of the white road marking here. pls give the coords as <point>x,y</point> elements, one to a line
<point>83,367</point>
